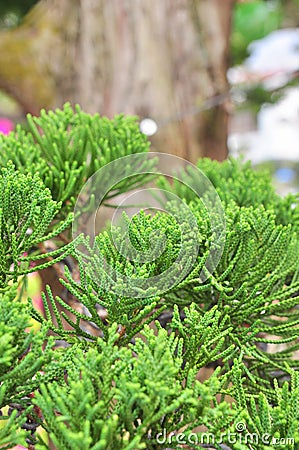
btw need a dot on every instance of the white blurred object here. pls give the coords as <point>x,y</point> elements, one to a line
<point>279,51</point>
<point>148,127</point>
<point>272,60</point>
<point>277,134</point>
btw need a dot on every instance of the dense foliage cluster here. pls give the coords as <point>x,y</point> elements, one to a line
<point>214,358</point>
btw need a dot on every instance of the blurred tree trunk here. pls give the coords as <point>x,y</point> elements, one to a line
<point>158,59</point>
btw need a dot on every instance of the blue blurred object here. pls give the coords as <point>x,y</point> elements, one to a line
<point>285,175</point>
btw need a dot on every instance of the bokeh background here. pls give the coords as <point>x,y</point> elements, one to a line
<point>217,77</point>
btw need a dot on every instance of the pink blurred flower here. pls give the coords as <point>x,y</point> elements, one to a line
<point>6,125</point>
<point>19,447</point>
<point>37,302</point>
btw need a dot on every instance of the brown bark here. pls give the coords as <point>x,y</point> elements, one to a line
<point>154,59</point>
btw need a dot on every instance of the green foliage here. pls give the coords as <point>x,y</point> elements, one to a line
<point>134,346</point>
<point>127,407</point>
<point>26,212</point>
<point>254,289</point>
<point>66,148</point>
<point>236,181</point>
<point>257,95</point>
<point>26,360</point>
<point>10,431</point>
<point>253,20</point>
<point>271,425</point>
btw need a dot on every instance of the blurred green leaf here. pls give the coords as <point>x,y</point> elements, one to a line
<point>12,11</point>
<point>251,21</point>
